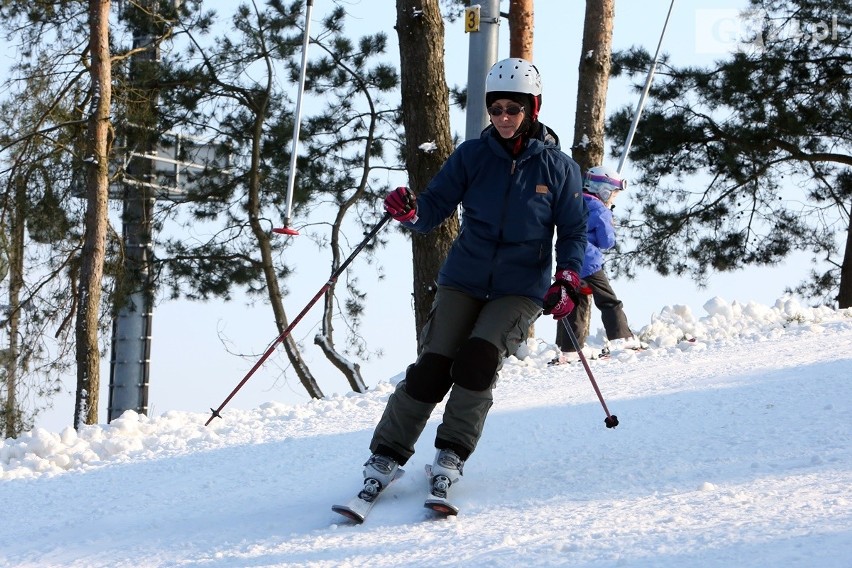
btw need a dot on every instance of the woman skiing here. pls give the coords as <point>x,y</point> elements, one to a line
<point>516,187</point>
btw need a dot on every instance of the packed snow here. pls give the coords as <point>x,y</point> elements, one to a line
<point>733,450</point>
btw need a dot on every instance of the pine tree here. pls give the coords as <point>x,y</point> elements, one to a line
<point>747,161</point>
<point>229,91</point>
<point>56,132</point>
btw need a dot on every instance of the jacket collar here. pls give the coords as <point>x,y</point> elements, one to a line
<point>541,139</point>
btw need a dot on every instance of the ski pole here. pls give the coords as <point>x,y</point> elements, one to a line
<point>611,420</point>
<point>332,279</point>
<point>297,121</point>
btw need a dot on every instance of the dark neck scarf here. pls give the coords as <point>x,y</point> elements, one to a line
<point>516,144</point>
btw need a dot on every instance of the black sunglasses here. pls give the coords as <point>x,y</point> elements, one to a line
<point>510,110</point>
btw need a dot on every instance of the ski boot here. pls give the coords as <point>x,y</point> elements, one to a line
<point>446,471</point>
<point>379,471</point>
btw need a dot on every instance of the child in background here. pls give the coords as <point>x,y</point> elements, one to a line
<point>600,185</point>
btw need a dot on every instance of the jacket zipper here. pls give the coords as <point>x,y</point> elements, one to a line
<point>502,222</point>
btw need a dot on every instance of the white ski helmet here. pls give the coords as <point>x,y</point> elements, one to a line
<point>603,181</point>
<point>515,75</point>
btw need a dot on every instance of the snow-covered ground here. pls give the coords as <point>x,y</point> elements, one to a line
<point>733,450</point>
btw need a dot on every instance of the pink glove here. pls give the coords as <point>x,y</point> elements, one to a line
<point>561,297</point>
<point>401,204</point>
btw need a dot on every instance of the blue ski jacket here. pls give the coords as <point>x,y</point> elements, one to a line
<point>601,235</point>
<point>510,209</point>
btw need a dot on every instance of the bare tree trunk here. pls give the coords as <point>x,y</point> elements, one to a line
<point>11,355</point>
<point>595,62</point>
<point>521,24</point>
<point>301,368</point>
<point>426,117</point>
<point>94,243</point>
<point>264,246</point>
<point>844,296</point>
<point>325,339</point>
<point>521,28</point>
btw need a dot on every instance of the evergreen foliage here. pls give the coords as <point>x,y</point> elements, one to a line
<point>236,90</point>
<point>747,161</point>
<point>229,90</point>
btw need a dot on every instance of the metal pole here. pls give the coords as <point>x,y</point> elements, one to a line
<point>482,54</point>
<point>130,365</point>
<point>297,121</point>
<point>629,141</point>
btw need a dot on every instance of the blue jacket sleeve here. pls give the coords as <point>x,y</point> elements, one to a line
<point>442,195</point>
<point>601,230</point>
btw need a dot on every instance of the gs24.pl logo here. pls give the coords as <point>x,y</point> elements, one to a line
<point>719,31</point>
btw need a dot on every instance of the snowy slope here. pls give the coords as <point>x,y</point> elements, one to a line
<point>733,450</point>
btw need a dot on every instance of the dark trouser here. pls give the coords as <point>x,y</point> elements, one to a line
<point>461,348</point>
<point>611,308</point>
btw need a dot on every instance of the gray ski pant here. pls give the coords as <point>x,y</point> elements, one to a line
<point>611,308</point>
<point>456,318</point>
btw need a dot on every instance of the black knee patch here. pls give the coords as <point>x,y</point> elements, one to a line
<point>428,380</point>
<point>475,365</point>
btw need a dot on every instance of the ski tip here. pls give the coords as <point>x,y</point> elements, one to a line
<point>442,508</point>
<point>348,513</point>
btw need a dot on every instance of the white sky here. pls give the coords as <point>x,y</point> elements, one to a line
<point>191,368</point>
<point>732,450</point>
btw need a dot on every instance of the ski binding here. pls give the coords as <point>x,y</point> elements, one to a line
<point>360,506</point>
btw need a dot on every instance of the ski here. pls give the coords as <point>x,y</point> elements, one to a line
<point>360,506</point>
<point>436,499</point>
<point>558,360</point>
<point>606,353</point>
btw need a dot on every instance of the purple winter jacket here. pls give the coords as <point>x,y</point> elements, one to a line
<point>601,235</point>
